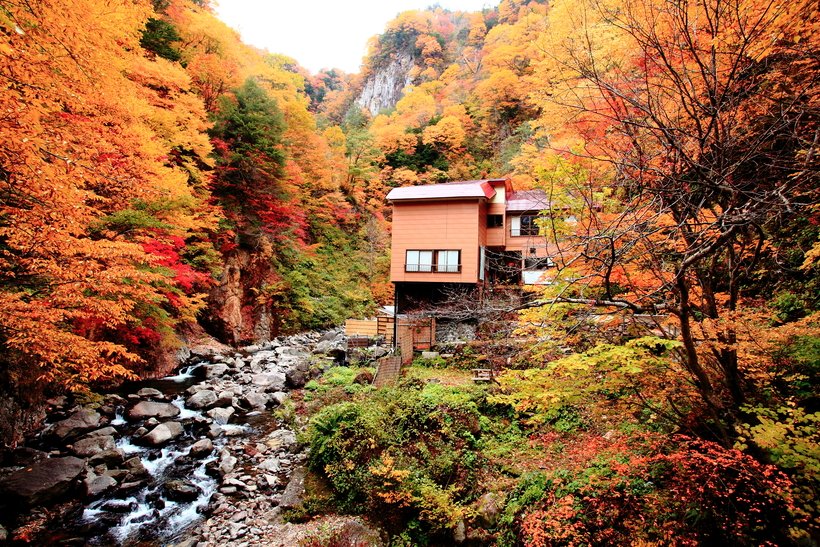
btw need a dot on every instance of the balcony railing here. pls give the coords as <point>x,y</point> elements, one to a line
<point>432,268</point>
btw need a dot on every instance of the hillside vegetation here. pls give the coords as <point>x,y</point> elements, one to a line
<point>668,393</point>
<point>157,172</point>
<point>158,177</point>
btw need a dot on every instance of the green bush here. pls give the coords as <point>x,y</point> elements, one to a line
<point>409,454</point>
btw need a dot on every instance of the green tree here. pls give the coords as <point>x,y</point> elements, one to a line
<point>159,37</point>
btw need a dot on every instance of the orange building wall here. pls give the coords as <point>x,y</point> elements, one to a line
<point>524,243</point>
<point>497,237</point>
<point>441,225</point>
<point>482,224</point>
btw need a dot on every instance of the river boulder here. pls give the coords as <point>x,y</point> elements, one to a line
<point>162,433</point>
<point>270,381</point>
<point>177,490</point>
<point>281,439</point>
<point>221,415</point>
<point>81,421</point>
<point>42,483</point>
<point>256,400</point>
<point>97,485</point>
<point>216,370</point>
<point>151,409</point>
<point>135,468</point>
<point>150,393</point>
<point>201,448</point>
<point>91,446</point>
<point>202,399</point>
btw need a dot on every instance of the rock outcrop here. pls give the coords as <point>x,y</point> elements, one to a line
<point>43,483</point>
<point>385,85</point>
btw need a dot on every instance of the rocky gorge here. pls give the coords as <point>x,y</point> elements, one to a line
<point>198,458</point>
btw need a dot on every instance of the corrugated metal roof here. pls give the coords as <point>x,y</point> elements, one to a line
<point>527,200</point>
<point>447,190</point>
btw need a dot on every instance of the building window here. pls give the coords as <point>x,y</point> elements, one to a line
<point>495,221</point>
<point>445,261</point>
<point>419,261</point>
<point>524,226</point>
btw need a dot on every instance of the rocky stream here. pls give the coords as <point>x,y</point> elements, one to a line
<point>198,458</point>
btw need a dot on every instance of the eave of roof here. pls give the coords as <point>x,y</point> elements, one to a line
<point>466,189</point>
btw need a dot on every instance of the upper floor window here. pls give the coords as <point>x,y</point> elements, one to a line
<point>495,221</point>
<point>448,261</point>
<point>524,226</point>
<point>419,261</point>
<point>444,261</point>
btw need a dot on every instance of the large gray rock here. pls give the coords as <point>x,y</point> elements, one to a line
<point>151,409</point>
<point>294,495</point>
<point>324,346</point>
<point>296,377</point>
<point>221,415</point>
<point>271,465</point>
<point>256,400</point>
<point>227,463</point>
<point>149,392</point>
<point>42,483</point>
<point>201,399</point>
<point>163,433</point>
<point>110,458</point>
<point>270,381</point>
<point>281,439</point>
<point>91,446</point>
<point>81,421</point>
<point>104,432</point>
<point>135,468</point>
<point>225,398</point>
<point>97,485</point>
<point>201,449</point>
<point>215,370</point>
<point>488,509</point>
<point>177,490</point>
<point>263,358</point>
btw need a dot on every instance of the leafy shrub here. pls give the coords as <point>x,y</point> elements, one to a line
<point>687,492</point>
<point>435,362</point>
<point>789,438</point>
<point>338,377</point>
<point>621,376</point>
<point>408,454</point>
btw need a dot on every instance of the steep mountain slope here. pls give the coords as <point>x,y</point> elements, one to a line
<point>158,172</point>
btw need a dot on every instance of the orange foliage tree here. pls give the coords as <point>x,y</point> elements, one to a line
<point>704,115</point>
<point>101,193</point>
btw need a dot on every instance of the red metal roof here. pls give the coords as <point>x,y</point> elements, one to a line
<point>448,190</point>
<point>527,200</point>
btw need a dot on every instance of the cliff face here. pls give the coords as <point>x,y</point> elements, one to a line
<point>235,315</point>
<point>383,87</point>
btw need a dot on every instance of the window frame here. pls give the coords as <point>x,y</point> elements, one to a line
<point>498,221</point>
<point>448,267</point>
<point>531,229</point>
<point>434,265</point>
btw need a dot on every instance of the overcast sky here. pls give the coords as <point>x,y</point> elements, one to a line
<point>322,33</point>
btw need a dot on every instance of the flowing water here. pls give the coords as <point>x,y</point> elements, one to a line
<point>146,515</point>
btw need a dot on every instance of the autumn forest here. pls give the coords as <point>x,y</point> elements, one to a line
<point>161,183</point>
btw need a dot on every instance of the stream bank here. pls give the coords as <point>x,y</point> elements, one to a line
<point>199,457</point>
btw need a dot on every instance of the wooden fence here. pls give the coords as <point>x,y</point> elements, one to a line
<point>361,327</point>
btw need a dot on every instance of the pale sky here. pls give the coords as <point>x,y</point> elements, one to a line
<point>322,33</point>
